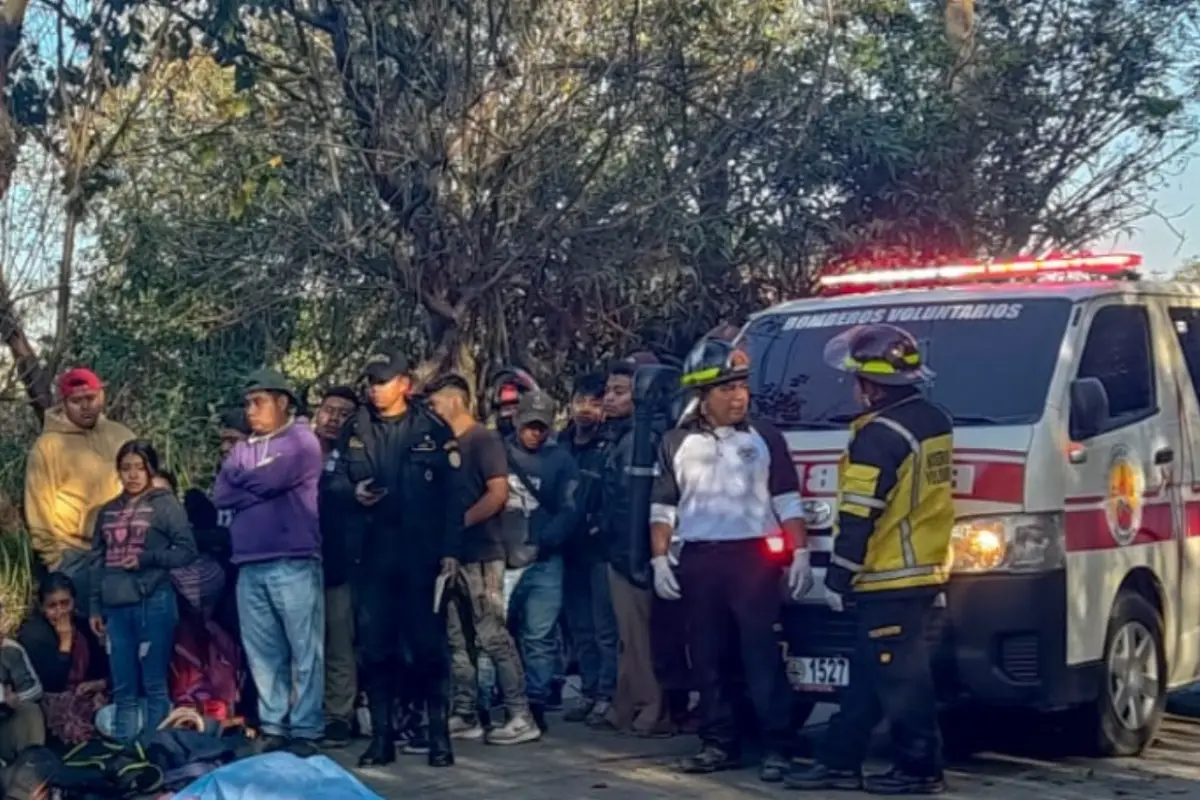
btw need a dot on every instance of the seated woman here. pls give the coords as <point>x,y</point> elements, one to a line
<point>69,660</point>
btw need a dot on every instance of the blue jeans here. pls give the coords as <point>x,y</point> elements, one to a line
<point>140,641</point>
<point>281,607</point>
<point>588,605</point>
<point>533,617</point>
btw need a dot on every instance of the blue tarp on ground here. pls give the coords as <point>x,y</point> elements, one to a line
<point>278,776</point>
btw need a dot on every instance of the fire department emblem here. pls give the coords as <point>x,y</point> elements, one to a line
<point>1123,505</point>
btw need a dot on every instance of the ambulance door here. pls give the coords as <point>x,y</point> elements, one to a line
<point>1184,316</point>
<point>1118,508</point>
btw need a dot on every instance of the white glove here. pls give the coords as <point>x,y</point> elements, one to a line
<point>665,585</point>
<point>834,600</point>
<point>799,577</point>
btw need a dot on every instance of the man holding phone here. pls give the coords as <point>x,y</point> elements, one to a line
<point>398,466</point>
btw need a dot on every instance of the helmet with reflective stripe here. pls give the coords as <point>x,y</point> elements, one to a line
<point>879,353</point>
<point>713,362</point>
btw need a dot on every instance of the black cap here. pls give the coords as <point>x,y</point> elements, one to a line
<point>386,365</point>
<point>535,407</point>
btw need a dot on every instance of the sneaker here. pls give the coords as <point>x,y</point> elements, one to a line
<point>710,759</point>
<point>464,728</point>
<point>773,767</point>
<point>580,711</point>
<point>900,782</point>
<point>518,730</point>
<point>601,716</point>
<point>417,743</point>
<point>337,734</point>
<point>817,777</point>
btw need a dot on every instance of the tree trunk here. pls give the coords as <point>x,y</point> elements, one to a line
<point>32,374</point>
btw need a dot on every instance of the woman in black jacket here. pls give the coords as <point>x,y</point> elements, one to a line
<point>68,659</point>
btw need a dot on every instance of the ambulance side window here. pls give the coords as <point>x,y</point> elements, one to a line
<point>1119,355</point>
<point>1186,322</point>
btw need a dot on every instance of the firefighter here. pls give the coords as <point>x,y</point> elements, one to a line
<point>398,464</point>
<point>726,484</point>
<point>890,553</point>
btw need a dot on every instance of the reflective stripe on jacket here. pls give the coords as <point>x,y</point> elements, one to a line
<point>895,500</point>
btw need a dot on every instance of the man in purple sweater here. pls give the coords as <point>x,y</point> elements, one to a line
<point>269,483</point>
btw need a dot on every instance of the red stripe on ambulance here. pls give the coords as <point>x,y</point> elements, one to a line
<point>992,481</point>
<point>1089,528</point>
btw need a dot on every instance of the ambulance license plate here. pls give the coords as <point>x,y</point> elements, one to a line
<point>818,674</point>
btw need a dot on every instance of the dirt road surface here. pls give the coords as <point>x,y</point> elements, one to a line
<point>573,763</point>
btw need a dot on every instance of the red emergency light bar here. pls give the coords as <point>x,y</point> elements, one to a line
<point>1113,265</point>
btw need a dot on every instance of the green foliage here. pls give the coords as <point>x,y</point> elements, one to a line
<point>552,184</point>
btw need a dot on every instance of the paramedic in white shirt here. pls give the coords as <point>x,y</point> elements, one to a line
<point>725,485</point>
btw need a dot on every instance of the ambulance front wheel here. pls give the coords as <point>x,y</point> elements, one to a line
<point>1129,708</point>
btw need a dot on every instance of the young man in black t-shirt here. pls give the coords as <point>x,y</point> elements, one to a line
<point>475,614</point>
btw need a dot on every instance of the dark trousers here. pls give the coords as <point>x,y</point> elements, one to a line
<point>400,635</point>
<point>890,679</point>
<point>592,625</point>
<point>731,591</point>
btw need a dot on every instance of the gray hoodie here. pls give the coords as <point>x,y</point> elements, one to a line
<point>153,527</point>
<point>549,507</point>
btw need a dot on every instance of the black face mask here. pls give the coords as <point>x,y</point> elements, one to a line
<point>505,426</point>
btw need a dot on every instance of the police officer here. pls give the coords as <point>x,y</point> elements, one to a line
<point>725,484</point>
<point>398,462</point>
<point>895,514</point>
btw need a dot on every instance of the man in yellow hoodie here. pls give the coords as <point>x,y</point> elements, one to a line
<point>70,474</point>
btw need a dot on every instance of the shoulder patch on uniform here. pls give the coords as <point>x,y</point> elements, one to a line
<point>355,443</point>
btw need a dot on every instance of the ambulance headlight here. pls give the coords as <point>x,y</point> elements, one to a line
<point>1010,543</point>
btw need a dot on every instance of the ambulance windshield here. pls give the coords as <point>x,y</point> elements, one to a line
<point>993,360</point>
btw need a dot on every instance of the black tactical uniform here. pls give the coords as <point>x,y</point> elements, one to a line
<point>416,524</point>
<point>895,516</point>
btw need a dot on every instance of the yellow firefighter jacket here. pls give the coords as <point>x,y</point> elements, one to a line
<point>895,500</point>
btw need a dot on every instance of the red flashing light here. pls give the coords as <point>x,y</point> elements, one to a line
<point>776,545</point>
<point>1113,265</point>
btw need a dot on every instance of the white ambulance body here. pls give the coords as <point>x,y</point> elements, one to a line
<point>1076,580</point>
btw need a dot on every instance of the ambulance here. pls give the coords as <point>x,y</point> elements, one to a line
<point>1073,385</point>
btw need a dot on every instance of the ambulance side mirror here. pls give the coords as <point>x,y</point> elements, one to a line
<point>1089,408</point>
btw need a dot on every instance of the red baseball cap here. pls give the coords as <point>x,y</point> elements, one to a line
<point>80,380</point>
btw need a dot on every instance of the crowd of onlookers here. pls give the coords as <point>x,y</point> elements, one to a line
<point>284,570</point>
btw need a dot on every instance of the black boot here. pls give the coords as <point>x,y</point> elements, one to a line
<point>818,777</point>
<point>710,759</point>
<point>441,752</point>
<point>902,782</point>
<point>382,749</point>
